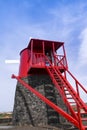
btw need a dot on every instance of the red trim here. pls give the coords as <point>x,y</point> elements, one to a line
<point>23,69</point>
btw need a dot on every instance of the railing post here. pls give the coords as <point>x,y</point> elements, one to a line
<point>43,52</point>
<point>54,53</point>
<point>43,47</point>
<point>78,108</point>
<point>65,56</point>
<point>77,89</point>
<point>31,51</point>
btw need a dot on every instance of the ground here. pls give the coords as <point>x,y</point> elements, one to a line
<point>28,128</point>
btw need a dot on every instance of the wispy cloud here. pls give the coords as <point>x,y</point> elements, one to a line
<point>83,48</point>
<point>69,22</point>
<point>62,22</point>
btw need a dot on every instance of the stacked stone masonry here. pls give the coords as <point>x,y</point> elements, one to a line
<point>30,110</point>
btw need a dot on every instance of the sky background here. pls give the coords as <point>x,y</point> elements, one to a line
<point>59,20</point>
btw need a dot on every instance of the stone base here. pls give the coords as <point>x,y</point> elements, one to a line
<point>29,109</point>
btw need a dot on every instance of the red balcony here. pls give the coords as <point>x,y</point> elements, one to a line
<point>40,54</point>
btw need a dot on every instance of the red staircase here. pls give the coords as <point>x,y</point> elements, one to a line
<point>68,94</point>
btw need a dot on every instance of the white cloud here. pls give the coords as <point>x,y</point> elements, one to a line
<point>61,25</point>
<point>83,48</point>
<point>8,85</point>
<point>11,61</point>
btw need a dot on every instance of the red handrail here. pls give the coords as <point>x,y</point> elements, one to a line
<point>76,81</point>
<point>61,60</point>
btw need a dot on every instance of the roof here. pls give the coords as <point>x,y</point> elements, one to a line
<point>48,44</point>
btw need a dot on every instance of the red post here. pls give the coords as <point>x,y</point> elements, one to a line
<point>24,64</point>
<point>31,51</point>
<point>43,46</point>
<point>54,53</point>
<point>65,56</point>
<point>78,108</point>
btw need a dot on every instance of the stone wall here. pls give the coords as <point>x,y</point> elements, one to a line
<point>29,109</point>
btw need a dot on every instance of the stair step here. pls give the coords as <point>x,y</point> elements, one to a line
<point>54,74</point>
<point>84,119</point>
<point>56,78</point>
<point>69,97</point>
<point>72,103</point>
<point>86,127</point>
<point>67,94</point>
<point>65,90</point>
<point>84,112</point>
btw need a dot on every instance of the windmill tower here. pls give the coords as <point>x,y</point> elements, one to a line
<point>43,95</point>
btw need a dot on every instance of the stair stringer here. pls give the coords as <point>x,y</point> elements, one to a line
<point>75,96</point>
<point>62,95</point>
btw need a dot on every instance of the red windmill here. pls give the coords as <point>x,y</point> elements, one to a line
<point>40,58</point>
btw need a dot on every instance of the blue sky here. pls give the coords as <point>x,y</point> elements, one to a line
<point>60,20</point>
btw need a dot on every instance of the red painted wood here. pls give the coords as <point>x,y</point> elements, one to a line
<point>24,64</point>
<point>34,56</point>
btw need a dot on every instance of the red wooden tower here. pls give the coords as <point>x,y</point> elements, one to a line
<point>49,58</point>
<point>39,54</point>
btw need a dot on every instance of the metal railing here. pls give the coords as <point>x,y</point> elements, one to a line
<point>63,63</point>
<point>39,59</point>
<point>60,60</point>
